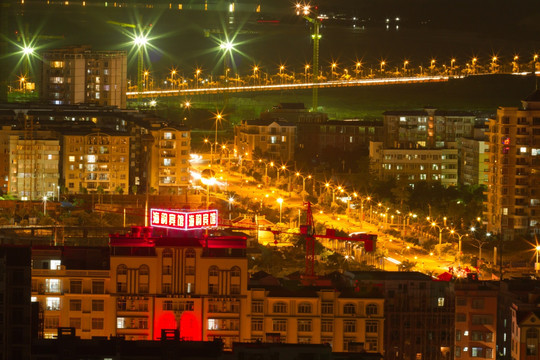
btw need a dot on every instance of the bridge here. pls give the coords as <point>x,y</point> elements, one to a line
<point>292,86</point>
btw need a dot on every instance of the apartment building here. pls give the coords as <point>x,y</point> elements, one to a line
<point>96,162</point>
<point>170,155</point>
<point>476,322</point>
<point>272,139</point>
<point>335,139</point>
<point>79,75</point>
<point>418,314</point>
<point>70,284</point>
<point>345,319</point>
<point>434,165</point>
<point>29,163</point>
<point>427,128</point>
<point>513,194</point>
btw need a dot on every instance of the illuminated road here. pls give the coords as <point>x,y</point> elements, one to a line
<point>395,249</point>
<point>327,84</point>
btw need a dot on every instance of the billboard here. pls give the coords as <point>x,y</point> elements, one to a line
<point>180,220</point>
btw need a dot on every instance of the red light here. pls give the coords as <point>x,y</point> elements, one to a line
<point>165,321</point>
<point>190,327</point>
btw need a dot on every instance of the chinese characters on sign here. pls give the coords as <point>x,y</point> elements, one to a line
<point>184,220</point>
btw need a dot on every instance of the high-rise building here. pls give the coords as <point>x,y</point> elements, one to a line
<point>78,75</point>
<point>513,194</point>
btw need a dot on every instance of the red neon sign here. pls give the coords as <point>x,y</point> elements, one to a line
<point>183,220</point>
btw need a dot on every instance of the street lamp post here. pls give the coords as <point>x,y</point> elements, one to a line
<point>45,205</point>
<point>197,72</point>
<point>306,68</point>
<point>208,182</point>
<point>460,236</point>
<point>231,201</point>
<point>280,202</point>
<point>434,224</point>
<point>357,67</point>
<point>303,184</point>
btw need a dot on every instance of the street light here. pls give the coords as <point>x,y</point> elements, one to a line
<point>208,182</point>
<point>494,63</point>
<point>453,232</point>
<point>255,73</point>
<point>383,63</point>
<point>303,183</point>
<point>231,201</point>
<point>280,202</point>
<point>271,163</point>
<point>281,68</point>
<point>434,225</point>
<point>332,70</point>
<point>357,67</point>
<point>197,72</point>
<point>146,73</point>
<point>405,63</point>
<point>306,68</point>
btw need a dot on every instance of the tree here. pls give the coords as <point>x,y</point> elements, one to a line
<point>134,189</point>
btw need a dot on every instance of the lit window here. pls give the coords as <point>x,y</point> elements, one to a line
<point>121,323</point>
<point>440,301</point>
<point>53,303</point>
<point>213,324</point>
<point>71,158</point>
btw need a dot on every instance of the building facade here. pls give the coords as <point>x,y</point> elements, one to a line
<point>272,139</point>
<point>342,319</point>
<point>96,162</point>
<point>427,128</point>
<point>29,163</point>
<point>78,75</point>
<point>473,161</point>
<point>434,165</point>
<point>169,163</point>
<point>513,193</point>
<point>476,321</point>
<point>146,282</point>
